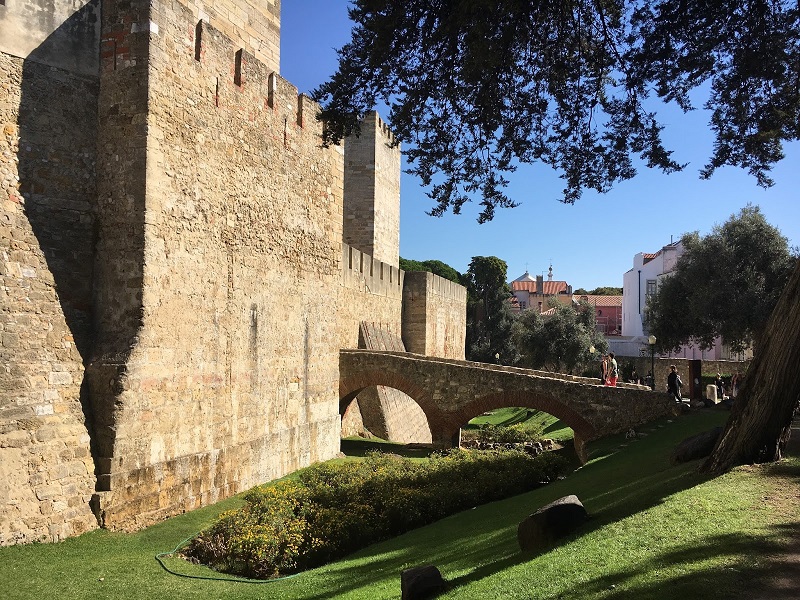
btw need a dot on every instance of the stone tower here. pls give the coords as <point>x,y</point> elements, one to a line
<point>372,191</point>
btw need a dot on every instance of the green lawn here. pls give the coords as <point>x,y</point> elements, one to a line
<point>551,427</point>
<point>656,531</point>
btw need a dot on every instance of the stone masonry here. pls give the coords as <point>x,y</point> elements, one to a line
<point>210,355</point>
<point>48,108</point>
<point>385,411</point>
<point>434,319</point>
<point>175,287</point>
<point>372,186</point>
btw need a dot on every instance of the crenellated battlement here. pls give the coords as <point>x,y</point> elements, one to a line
<point>239,81</point>
<point>382,127</point>
<point>254,25</point>
<point>362,272</point>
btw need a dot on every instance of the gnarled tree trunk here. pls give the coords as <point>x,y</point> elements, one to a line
<point>761,417</point>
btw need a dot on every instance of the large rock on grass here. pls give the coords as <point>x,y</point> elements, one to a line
<point>696,446</point>
<point>421,582</point>
<point>541,529</point>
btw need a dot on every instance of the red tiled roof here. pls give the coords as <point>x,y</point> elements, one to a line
<point>551,288</point>
<point>648,256</point>
<point>600,300</point>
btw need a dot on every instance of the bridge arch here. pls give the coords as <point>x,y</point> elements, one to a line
<point>440,423</point>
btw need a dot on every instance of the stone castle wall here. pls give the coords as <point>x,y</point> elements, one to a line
<point>254,25</point>
<point>58,33</point>
<point>213,355</point>
<point>370,290</point>
<point>434,315</point>
<point>175,289</point>
<point>48,104</point>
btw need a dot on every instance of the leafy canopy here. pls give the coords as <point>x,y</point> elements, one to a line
<point>559,342</point>
<point>436,267</point>
<point>600,291</point>
<point>724,284</point>
<point>476,87</point>
<point>489,317</point>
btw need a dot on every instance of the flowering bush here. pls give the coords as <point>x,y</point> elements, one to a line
<point>336,508</point>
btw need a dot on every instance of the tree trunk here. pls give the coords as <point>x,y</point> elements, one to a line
<point>761,417</point>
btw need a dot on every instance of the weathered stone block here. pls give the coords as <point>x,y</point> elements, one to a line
<point>47,491</point>
<point>696,446</point>
<point>551,522</point>
<point>421,582</point>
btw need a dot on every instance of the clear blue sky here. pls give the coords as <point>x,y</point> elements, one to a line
<point>590,243</point>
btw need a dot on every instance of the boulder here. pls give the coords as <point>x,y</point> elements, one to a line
<point>549,523</point>
<point>696,446</point>
<point>421,582</point>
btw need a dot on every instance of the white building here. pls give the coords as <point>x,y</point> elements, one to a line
<point>638,284</point>
<point>641,282</point>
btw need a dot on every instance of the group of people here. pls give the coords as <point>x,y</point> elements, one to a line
<point>609,375</point>
<point>729,391</point>
<point>725,393</point>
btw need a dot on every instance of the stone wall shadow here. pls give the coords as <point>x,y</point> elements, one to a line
<point>57,157</point>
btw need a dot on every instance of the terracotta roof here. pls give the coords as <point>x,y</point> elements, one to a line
<point>549,312</point>
<point>551,288</point>
<point>600,300</point>
<point>648,256</point>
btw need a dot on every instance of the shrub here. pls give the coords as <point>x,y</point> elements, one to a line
<point>263,539</point>
<point>526,431</point>
<point>335,509</point>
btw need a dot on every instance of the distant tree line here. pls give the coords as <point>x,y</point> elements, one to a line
<point>599,291</point>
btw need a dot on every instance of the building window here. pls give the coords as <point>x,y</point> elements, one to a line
<point>522,305</point>
<point>650,289</point>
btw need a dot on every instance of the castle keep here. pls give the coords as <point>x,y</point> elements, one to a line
<point>181,263</point>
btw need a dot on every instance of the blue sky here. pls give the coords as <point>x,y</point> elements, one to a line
<point>590,243</point>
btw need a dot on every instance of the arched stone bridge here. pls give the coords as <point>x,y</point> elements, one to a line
<point>451,392</point>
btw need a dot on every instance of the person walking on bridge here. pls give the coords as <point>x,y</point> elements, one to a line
<point>604,369</point>
<point>613,372</point>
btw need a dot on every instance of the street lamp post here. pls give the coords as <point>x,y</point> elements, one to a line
<point>652,341</point>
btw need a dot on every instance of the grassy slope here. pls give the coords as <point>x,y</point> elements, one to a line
<point>656,532</point>
<point>553,428</point>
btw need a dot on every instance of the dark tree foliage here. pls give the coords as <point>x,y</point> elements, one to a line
<point>600,291</point>
<point>725,284</point>
<point>560,342</point>
<point>476,87</point>
<point>489,317</point>
<point>436,267</point>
